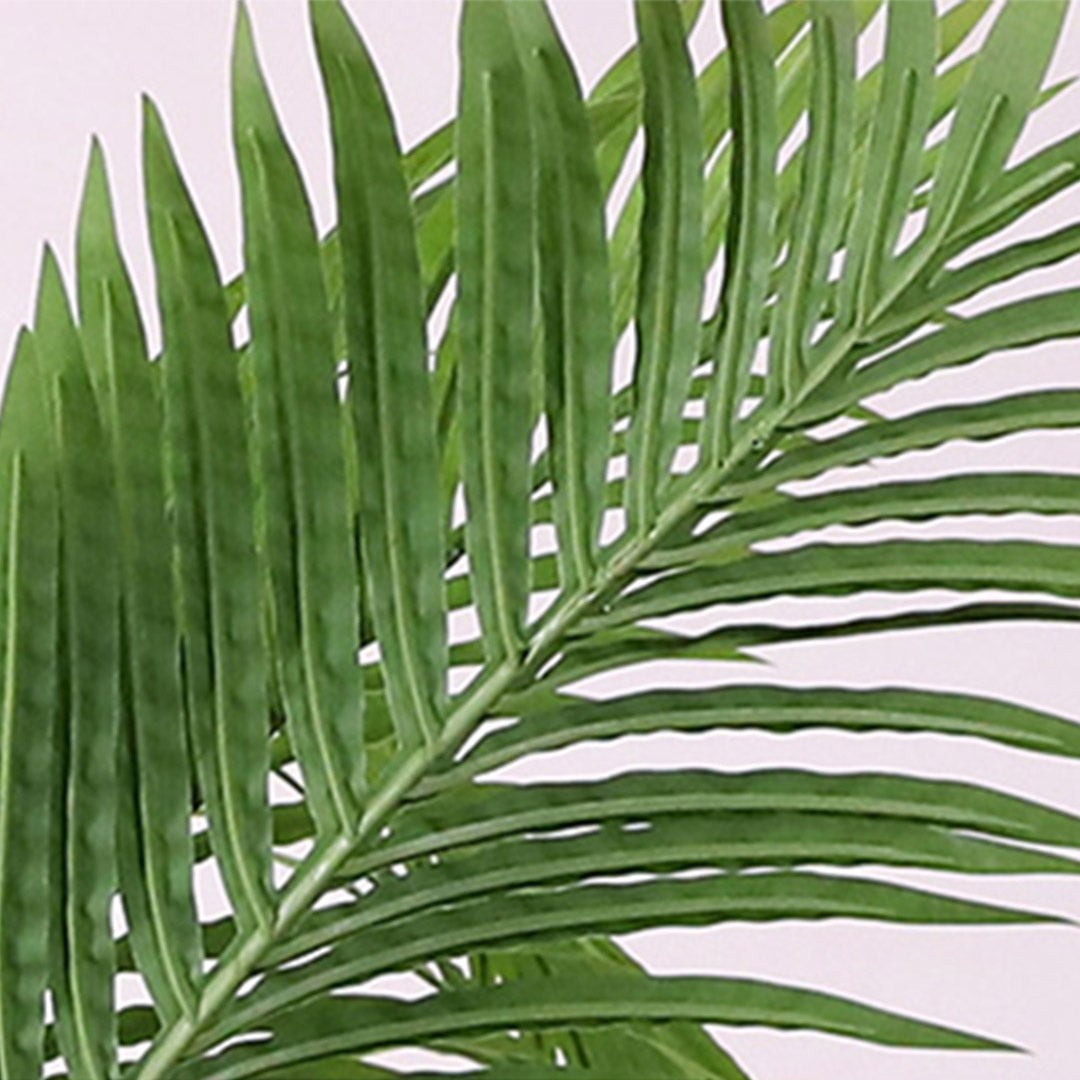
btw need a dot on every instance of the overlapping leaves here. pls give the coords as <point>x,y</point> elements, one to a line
<point>421,494</point>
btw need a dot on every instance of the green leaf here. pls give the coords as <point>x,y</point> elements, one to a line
<point>574,290</point>
<point>495,319</point>
<point>490,811</point>
<point>893,157</point>
<point>154,845</point>
<point>364,1023</point>
<point>637,1051</point>
<point>505,920</point>
<point>748,255</point>
<point>299,440</point>
<point>564,723</point>
<point>950,287</point>
<point>625,646</point>
<point>992,110</point>
<point>87,657</point>
<point>389,387</point>
<point>28,757</point>
<point>1011,326</point>
<point>669,290</point>
<point>816,231</point>
<point>210,491</point>
<point>675,840</point>
<point>917,500</point>
<point>842,569</point>
<point>1039,410</point>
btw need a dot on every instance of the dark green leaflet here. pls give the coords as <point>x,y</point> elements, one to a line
<point>394,425</point>
<point>299,436</point>
<point>356,1024</point>
<point>574,277</point>
<point>841,569</point>
<point>816,231</point>
<point>566,721</point>
<point>750,230</point>
<point>893,157</point>
<point>155,850</point>
<point>495,261</point>
<point>673,841</point>
<point>29,544</point>
<point>84,796</point>
<point>505,920</point>
<point>1039,410</point>
<point>1011,326</point>
<point>209,483</point>
<point>669,289</point>
<point>916,500</point>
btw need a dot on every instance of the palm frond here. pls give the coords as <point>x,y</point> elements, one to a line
<point>367,551</point>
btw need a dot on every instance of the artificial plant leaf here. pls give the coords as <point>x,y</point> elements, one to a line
<point>574,292</point>
<point>496,194</point>
<point>84,798</point>
<point>154,843</point>
<point>28,758</point>
<point>669,289</point>
<point>389,385</point>
<point>304,519</point>
<point>208,475</point>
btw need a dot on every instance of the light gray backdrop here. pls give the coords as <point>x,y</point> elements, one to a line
<point>71,68</point>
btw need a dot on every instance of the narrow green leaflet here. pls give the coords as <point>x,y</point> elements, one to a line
<point>28,758</point>
<point>1011,326</point>
<point>495,261</point>
<point>1039,410</point>
<point>154,844</point>
<point>210,490</point>
<point>842,569</point>
<point>84,796</point>
<point>674,841</point>
<point>915,500</point>
<point>574,290</point>
<point>993,108</point>
<point>337,1025</point>
<point>634,1051</point>
<point>819,210</point>
<point>506,920</point>
<point>748,254</point>
<point>669,289</point>
<point>894,154</point>
<point>1033,181</point>
<point>772,708</point>
<point>389,385</point>
<point>950,287</point>
<point>303,511</point>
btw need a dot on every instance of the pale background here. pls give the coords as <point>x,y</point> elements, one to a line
<point>71,68</point>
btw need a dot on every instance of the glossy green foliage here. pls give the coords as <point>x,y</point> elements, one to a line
<point>276,603</point>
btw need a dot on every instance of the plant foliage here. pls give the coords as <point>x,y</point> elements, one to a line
<point>255,558</point>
